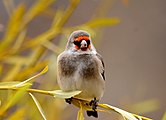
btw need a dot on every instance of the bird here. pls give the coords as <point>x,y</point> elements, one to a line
<point>81,67</point>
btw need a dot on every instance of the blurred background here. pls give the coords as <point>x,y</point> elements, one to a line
<point>129,34</point>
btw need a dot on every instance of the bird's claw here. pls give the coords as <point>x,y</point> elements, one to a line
<point>94,104</point>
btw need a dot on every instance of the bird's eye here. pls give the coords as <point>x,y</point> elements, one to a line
<point>88,42</point>
<point>77,43</point>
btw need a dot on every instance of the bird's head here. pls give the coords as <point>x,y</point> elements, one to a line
<point>80,41</point>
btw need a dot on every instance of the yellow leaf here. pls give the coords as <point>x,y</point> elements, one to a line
<point>19,40</point>
<point>36,9</point>
<point>13,60</point>
<point>14,99</point>
<point>5,85</point>
<point>62,94</point>
<point>126,115</point>
<point>56,27</point>
<point>55,48</point>
<point>18,115</point>
<point>145,106</point>
<point>30,70</point>
<point>30,79</point>
<point>102,22</point>
<point>164,116</point>
<point>11,74</point>
<point>13,27</point>
<point>48,35</point>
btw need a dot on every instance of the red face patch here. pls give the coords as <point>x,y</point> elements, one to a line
<point>81,38</point>
<point>77,42</point>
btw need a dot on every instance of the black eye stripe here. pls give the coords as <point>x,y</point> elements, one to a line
<point>78,43</point>
<point>88,42</point>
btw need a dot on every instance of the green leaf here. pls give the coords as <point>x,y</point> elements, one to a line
<point>126,115</point>
<point>38,106</point>
<point>62,94</point>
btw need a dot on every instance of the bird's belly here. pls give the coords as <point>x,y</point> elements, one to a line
<point>92,88</point>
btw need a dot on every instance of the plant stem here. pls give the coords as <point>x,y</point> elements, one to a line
<point>45,92</point>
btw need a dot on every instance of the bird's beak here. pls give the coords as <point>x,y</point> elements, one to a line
<point>83,44</point>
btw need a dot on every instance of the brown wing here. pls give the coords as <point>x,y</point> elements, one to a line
<point>103,67</point>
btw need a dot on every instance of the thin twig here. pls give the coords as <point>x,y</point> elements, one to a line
<point>45,92</point>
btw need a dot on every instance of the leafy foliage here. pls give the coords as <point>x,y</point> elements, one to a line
<point>22,87</point>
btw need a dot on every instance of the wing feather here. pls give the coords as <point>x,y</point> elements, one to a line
<point>103,67</point>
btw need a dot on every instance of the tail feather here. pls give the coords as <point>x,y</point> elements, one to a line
<point>92,113</point>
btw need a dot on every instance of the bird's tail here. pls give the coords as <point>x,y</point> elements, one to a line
<point>92,113</point>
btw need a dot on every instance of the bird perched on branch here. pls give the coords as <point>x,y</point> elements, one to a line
<point>80,67</point>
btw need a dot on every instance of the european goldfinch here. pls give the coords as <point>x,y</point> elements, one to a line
<point>80,67</point>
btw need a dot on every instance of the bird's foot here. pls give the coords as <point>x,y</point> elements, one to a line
<point>92,113</point>
<point>94,104</point>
